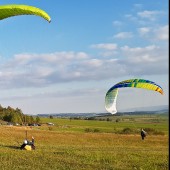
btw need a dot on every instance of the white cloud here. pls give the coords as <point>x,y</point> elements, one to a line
<point>144,30</point>
<point>124,35</point>
<point>93,63</point>
<point>109,53</point>
<point>150,15</point>
<point>39,69</point>
<point>117,23</point>
<point>107,46</point>
<point>131,17</point>
<point>158,34</point>
<point>147,60</point>
<point>141,53</point>
<point>162,33</point>
<point>60,67</point>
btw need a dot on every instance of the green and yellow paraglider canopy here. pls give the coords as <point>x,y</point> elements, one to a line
<point>111,95</point>
<point>10,10</point>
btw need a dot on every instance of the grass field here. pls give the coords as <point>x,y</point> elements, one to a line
<point>88,145</point>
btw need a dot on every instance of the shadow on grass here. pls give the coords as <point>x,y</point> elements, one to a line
<point>11,147</point>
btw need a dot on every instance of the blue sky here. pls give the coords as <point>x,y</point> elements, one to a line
<point>68,65</point>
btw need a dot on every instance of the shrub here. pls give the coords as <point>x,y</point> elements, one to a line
<point>118,120</point>
<point>92,130</point>
<point>127,131</point>
<point>87,130</point>
<point>96,130</point>
<point>152,131</point>
<point>108,119</point>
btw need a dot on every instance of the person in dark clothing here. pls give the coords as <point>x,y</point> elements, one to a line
<point>30,143</point>
<point>24,144</point>
<point>143,134</point>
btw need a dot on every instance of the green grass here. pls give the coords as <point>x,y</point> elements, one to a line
<point>66,146</point>
<point>157,122</point>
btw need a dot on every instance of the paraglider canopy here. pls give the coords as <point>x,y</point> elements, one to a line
<point>111,95</point>
<point>10,10</point>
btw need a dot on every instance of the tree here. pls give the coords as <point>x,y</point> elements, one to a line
<point>31,119</point>
<point>37,119</point>
<point>14,118</point>
<point>51,117</point>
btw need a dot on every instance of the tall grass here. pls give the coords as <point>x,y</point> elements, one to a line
<point>67,148</point>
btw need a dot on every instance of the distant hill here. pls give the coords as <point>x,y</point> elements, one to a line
<point>68,115</point>
<point>144,110</point>
<point>163,108</point>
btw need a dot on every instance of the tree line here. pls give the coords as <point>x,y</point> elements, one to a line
<point>12,115</point>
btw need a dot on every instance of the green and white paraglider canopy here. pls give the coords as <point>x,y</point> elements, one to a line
<point>111,95</point>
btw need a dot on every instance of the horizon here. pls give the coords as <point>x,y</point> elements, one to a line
<point>150,109</point>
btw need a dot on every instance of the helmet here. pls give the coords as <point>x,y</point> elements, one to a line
<point>25,141</point>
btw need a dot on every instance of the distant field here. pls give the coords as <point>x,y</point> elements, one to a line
<point>115,123</point>
<point>88,145</point>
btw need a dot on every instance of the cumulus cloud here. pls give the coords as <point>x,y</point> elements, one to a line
<point>145,54</point>
<point>144,30</point>
<point>35,69</point>
<point>150,15</point>
<point>107,49</point>
<point>41,70</point>
<point>106,46</point>
<point>149,60</point>
<point>131,17</point>
<point>123,35</point>
<point>160,33</point>
<point>117,23</point>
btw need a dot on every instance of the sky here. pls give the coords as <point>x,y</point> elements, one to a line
<point>68,65</point>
